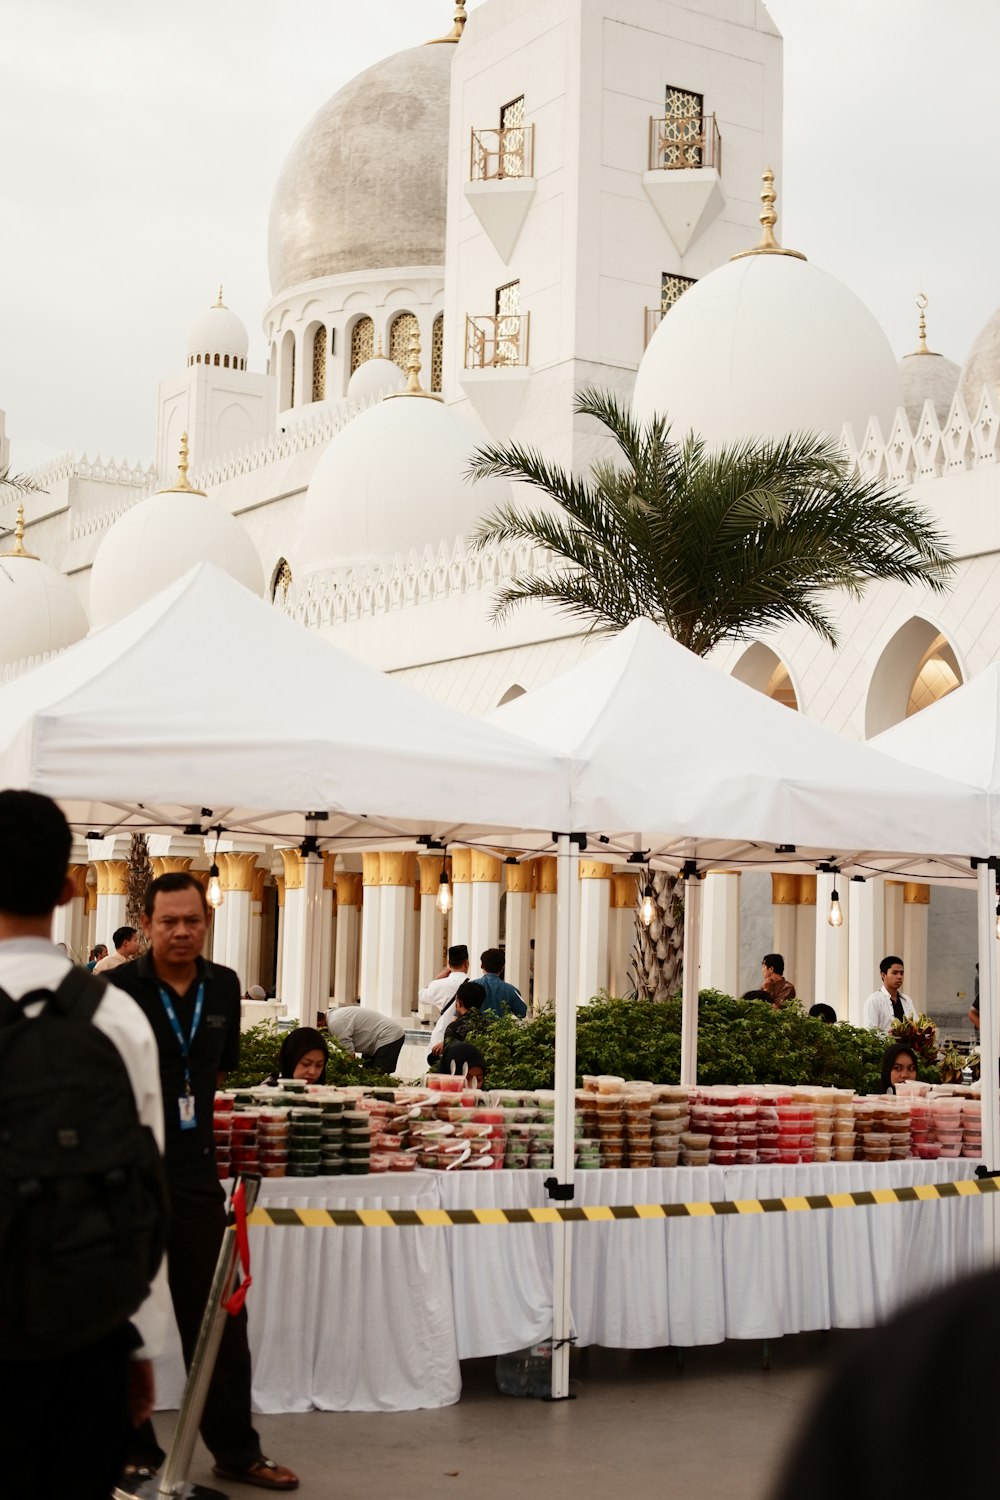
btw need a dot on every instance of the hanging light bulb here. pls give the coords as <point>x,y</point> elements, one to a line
<point>647,911</point>
<point>835,916</point>
<point>444,894</point>
<point>213,895</point>
<point>998,919</point>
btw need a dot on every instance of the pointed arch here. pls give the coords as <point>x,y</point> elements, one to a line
<point>917,666</point>
<point>761,668</point>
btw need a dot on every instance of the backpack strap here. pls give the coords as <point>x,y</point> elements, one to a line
<point>9,1009</point>
<point>79,994</point>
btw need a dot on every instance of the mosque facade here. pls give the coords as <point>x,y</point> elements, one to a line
<point>543,199</point>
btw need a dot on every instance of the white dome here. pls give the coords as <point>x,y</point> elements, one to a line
<point>39,609</point>
<point>375,377</point>
<point>218,331</point>
<point>766,346</point>
<point>157,541</point>
<point>983,364</point>
<point>927,376</point>
<point>392,481</point>
<point>364,185</point>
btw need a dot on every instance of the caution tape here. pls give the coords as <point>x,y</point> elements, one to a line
<point>449,1218</point>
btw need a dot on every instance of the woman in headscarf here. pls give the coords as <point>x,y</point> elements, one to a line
<point>303,1055</point>
<point>899,1065</point>
<point>462,1057</point>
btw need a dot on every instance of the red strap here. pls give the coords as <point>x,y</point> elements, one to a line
<point>235,1303</point>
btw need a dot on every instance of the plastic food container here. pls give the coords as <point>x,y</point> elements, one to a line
<point>693,1141</point>
<point>696,1158</point>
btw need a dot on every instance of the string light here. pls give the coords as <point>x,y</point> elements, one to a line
<point>647,911</point>
<point>835,916</point>
<point>444,894</point>
<point>213,894</point>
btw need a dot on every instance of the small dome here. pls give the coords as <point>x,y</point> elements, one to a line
<point>218,331</point>
<point>983,364</point>
<point>159,539</point>
<point>927,376</point>
<point>364,185</point>
<point>766,346</point>
<point>39,608</point>
<point>376,377</point>
<point>393,480</point>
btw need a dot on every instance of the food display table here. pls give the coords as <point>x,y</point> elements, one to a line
<point>378,1319</point>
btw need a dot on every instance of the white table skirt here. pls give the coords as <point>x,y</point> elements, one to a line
<point>377,1320</point>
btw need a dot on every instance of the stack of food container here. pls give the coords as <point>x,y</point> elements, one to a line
<point>972,1128</point>
<point>669,1118</point>
<point>946,1124</point>
<point>845,1135</point>
<point>823,1105</point>
<point>611,1120</point>
<point>638,1103</point>
<point>275,1131</point>
<point>245,1156</point>
<point>222,1123</point>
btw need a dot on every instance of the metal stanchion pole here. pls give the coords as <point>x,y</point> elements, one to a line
<point>173,1481</point>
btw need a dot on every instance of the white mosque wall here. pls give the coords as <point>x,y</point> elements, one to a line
<point>220,410</point>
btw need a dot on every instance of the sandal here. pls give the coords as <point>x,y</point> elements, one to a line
<point>265,1473</point>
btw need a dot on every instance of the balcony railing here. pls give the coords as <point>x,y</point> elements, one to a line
<point>496,341</point>
<point>684,141</point>
<point>651,322</point>
<point>505,152</point>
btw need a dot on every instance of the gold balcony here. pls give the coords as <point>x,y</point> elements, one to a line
<point>496,154</point>
<point>684,141</point>
<point>496,341</point>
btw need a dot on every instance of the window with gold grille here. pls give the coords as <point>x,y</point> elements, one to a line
<point>291,380</point>
<point>401,331</point>
<point>508,314</point>
<point>512,139</point>
<point>672,288</point>
<point>362,342</point>
<point>319,364</point>
<point>281,579</point>
<point>680,143</point>
<point>437,352</point>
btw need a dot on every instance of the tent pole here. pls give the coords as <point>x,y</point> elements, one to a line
<point>689,991</point>
<point>563,1160</point>
<point>312,936</point>
<point>988,1038</point>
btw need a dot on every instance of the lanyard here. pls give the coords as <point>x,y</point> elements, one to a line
<point>183,1042</point>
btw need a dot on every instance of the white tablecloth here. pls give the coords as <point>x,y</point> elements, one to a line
<point>377,1320</point>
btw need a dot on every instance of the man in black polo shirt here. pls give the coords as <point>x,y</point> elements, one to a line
<point>194,1010</point>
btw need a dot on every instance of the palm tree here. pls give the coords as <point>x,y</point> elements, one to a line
<point>713,545</point>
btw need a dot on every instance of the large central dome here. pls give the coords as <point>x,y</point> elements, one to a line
<point>364,185</point>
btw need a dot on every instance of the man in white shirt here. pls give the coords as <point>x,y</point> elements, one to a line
<point>126,941</point>
<point>889,1003</point>
<point>440,993</point>
<point>83,1401</point>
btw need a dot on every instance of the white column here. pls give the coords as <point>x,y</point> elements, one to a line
<point>784,923</point>
<point>232,928</point>
<point>345,968</point>
<point>517,938</point>
<point>460,922</point>
<point>866,944</point>
<point>831,945</point>
<point>370,924</point>
<point>301,948</point>
<point>69,923</point>
<point>720,933</point>
<point>396,874</point>
<point>111,898</point>
<point>568,945</point>
<point>430,953</point>
<point>916,910</point>
<point>484,915</point>
<point>690,981</point>
<point>411,953</point>
<point>326,933</point>
<point>804,974</point>
<point>256,913</point>
<point>595,925</point>
<point>894,923</point>
<point>621,932</point>
<point>279,953</point>
<point>545,933</point>
<point>989,1036</point>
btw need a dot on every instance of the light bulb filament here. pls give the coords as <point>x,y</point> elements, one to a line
<point>213,894</point>
<point>647,911</point>
<point>835,916</point>
<point>444,896</point>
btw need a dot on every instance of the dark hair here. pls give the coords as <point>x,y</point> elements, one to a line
<point>774,961</point>
<point>757,995</point>
<point>295,1046</point>
<point>891,1054</point>
<point>458,954</point>
<point>492,961</point>
<point>36,841</point>
<point>176,880</point>
<point>98,951</point>
<point>887,963</point>
<point>823,1013</point>
<point>471,994</point>
<point>122,935</point>
<point>462,1054</point>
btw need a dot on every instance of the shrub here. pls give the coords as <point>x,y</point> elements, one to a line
<point>739,1041</point>
<point>259,1048</point>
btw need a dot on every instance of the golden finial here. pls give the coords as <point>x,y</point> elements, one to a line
<point>183,485</point>
<point>220,302</point>
<point>922,301</point>
<point>413,368</point>
<point>458,26</point>
<point>768,244</point>
<point>19,549</point>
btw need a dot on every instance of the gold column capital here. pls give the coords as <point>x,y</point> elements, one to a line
<point>461,867</point>
<point>295,869</point>
<point>784,889</point>
<point>547,880</point>
<point>236,870</point>
<point>257,889</point>
<point>624,891</point>
<point>807,890</point>
<point>594,869</point>
<point>90,901</point>
<point>169,864</point>
<point>371,863</point>
<point>78,875</point>
<point>112,875</point>
<point>349,887</point>
<point>329,871</point>
<point>520,878</point>
<point>396,868</point>
<point>279,882</point>
<point>915,893</point>
<point>430,867</point>
<point>486,868</point>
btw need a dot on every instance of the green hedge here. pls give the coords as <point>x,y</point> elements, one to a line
<point>739,1041</point>
<point>259,1048</point>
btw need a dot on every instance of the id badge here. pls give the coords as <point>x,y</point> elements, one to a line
<point>185,1108</point>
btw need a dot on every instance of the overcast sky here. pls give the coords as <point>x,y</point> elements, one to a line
<point>139,144</point>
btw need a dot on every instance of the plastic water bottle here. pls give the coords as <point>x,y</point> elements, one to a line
<point>526,1372</point>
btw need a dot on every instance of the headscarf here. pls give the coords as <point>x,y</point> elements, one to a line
<point>296,1044</point>
<point>886,1085</point>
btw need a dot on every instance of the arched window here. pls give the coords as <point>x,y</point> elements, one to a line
<point>216,361</point>
<point>514,691</point>
<point>281,579</point>
<point>437,352</point>
<point>917,667</point>
<point>362,342</point>
<point>319,364</point>
<point>761,668</point>
<point>225,362</point>
<point>401,331</point>
<point>199,359</point>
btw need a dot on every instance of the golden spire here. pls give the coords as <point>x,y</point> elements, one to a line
<point>768,244</point>
<point>413,368</point>
<point>458,26</point>
<point>922,300</point>
<point>18,549</point>
<point>220,302</point>
<point>183,485</point>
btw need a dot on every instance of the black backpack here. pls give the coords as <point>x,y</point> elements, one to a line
<point>83,1205</point>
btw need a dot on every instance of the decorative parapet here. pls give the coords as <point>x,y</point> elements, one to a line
<point>10,670</point>
<point>337,595</point>
<point>136,476</point>
<point>303,432</point>
<point>932,450</point>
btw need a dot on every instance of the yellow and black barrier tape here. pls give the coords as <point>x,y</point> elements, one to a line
<point>447,1218</point>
